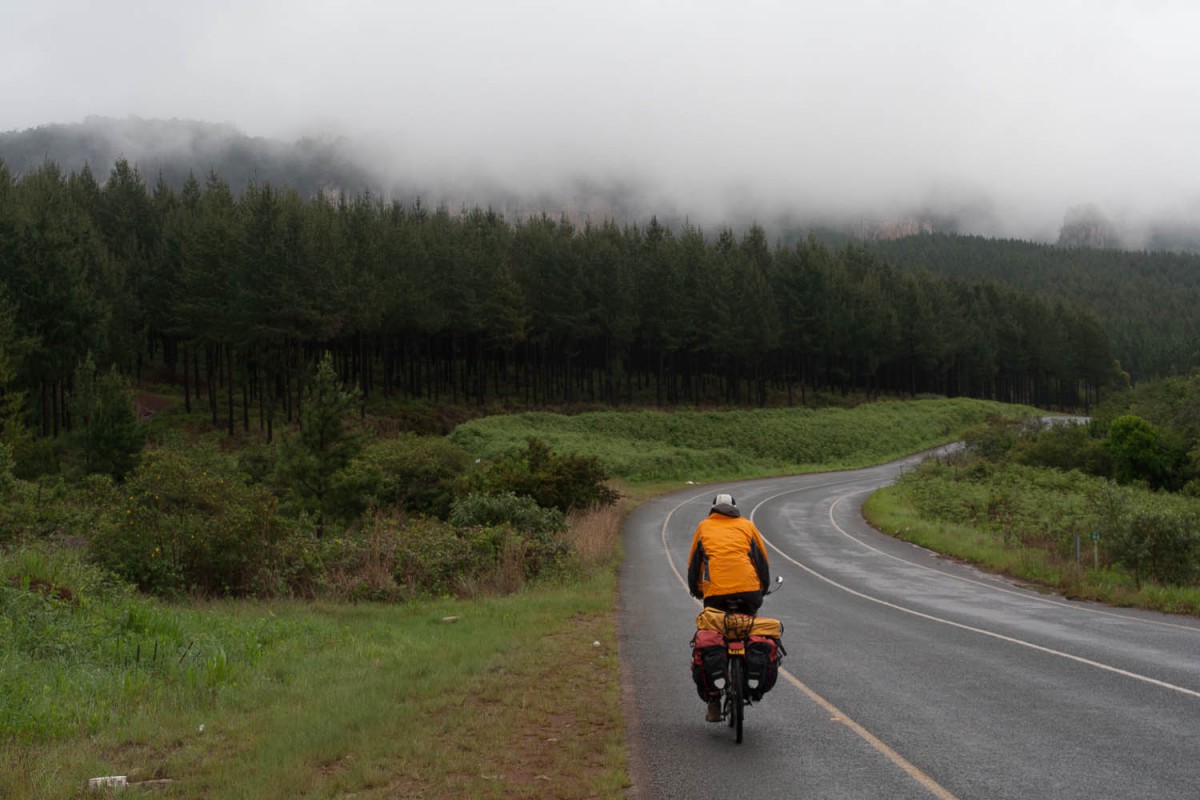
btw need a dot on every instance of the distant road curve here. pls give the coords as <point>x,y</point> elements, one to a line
<point>907,676</point>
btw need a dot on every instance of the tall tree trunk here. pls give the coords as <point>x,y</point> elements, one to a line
<point>209,370</point>
<point>187,383</point>
<point>229,386</point>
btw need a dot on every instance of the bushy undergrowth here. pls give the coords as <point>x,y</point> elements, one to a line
<point>492,543</point>
<point>188,521</point>
<point>484,506</point>
<point>193,519</point>
<point>50,508</point>
<point>507,508</point>
<point>563,482</point>
<point>389,555</point>
<point>416,473</point>
<point>1149,531</point>
<point>406,515</point>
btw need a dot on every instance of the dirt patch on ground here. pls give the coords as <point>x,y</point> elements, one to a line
<point>547,727</point>
<point>147,405</point>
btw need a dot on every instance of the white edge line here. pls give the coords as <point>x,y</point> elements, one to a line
<point>992,587</point>
<point>983,632</point>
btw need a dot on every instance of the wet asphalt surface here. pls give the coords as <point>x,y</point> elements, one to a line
<point>907,675</point>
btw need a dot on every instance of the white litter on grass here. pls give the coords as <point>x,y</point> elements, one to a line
<point>202,727</point>
<point>596,643</point>
<point>108,782</point>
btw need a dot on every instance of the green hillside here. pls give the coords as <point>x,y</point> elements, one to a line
<point>1147,302</point>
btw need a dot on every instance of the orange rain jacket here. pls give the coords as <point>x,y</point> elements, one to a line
<point>728,556</point>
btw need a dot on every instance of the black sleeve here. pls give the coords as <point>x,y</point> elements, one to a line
<point>695,570</point>
<point>759,559</point>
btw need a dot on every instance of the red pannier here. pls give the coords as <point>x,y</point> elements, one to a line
<point>763,654</point>
<point>708,662</point>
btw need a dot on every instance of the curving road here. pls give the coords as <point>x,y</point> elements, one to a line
<point>907,675</point>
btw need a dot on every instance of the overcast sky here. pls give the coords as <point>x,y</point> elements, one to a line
<point>1015,110</point>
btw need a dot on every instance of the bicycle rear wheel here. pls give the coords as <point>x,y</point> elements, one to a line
<point>737,700</point>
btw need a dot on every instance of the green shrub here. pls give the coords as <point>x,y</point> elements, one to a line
<point>393,557</point>
<point>1139,451</point>
<point>1159,545</point>
<point>535,531</point>
<point>35,456</point>
<point>349,492</point>
<point>394,415</point>
<point>994,439</point>
<point>7,478</point>
<point>297,565</point>
<point>257,461</point>
<point>432,556</point>
<point>567,482</point>
<point>417,474</point>
<point>189,522</point>
<point>359,565</point>
<point>519,511</point>
<point>1153,536</point>
<point>1064,447</point>
<point>945,492</point>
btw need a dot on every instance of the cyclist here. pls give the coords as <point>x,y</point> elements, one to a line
<point>727,563</point>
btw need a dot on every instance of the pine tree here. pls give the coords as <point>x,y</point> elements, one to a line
<point>106,433</point>
<point>324,444</point>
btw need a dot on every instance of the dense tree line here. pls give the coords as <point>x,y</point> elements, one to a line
<point>234,297</point>
<point>1148,302</point>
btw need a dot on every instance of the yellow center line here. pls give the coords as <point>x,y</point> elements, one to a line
<point>914,772</point>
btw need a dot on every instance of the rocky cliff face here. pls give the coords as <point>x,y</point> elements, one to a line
<point>1086,226</point>
<point>892,229</point>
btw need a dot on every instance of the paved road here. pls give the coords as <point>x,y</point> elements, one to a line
<point>907,676</point>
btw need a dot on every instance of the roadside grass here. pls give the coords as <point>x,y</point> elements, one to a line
<point>79,651</point>
<point>891,515</point>
<point>1045,561</point>
<point>502,697</point>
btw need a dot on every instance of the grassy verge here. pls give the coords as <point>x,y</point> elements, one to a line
<point>512,696</point>
<point>506,697</point>
<point>1023,523</point>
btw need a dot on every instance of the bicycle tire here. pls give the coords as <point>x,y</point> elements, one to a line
<point>737,700</point>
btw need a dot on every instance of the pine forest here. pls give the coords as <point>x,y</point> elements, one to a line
<point>232,297</point>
